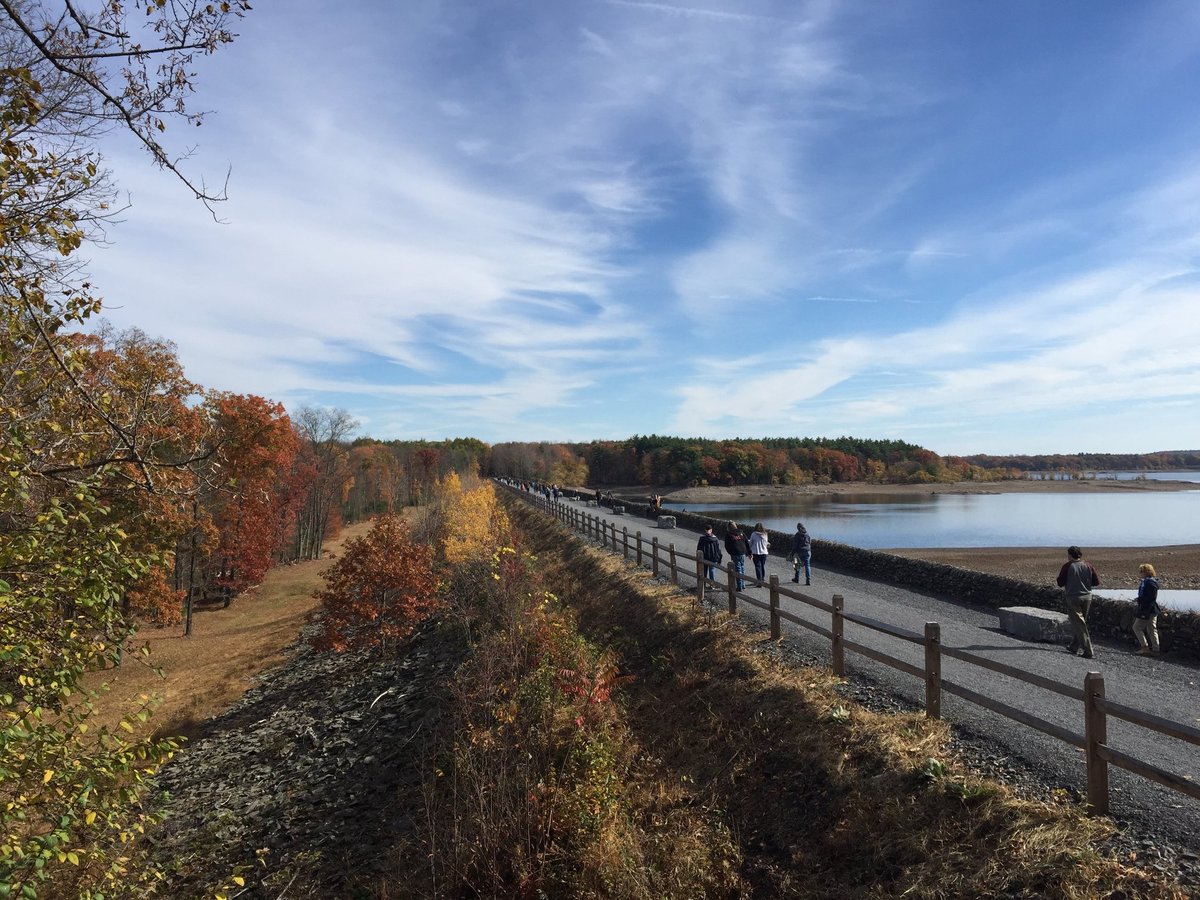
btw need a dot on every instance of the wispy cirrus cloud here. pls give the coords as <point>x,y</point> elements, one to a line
<point>601,219</point>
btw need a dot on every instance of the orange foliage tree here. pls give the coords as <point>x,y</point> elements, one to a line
<point>255,449</point>
<point>380,589</point>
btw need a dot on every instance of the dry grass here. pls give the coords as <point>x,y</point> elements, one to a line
<point>204,674</point>
<point>825,798</point>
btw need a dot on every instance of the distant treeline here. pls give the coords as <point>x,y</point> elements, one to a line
<point>383,476</point>
<point>1091,462</point>
<point>670,461</point>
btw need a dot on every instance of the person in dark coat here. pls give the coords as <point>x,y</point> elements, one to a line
<point>738,550</point>
<point>709,549</point>
<point>1077,578</point>
<point>1145,622</point>
<point>802,554</point>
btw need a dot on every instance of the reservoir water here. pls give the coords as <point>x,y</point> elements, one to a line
<point>1031,519</point>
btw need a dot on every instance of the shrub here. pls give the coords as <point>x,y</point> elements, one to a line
<point>380,589</point>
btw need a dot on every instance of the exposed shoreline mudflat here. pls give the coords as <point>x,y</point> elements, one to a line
<point>719,494</point>
<point>1178,565</point>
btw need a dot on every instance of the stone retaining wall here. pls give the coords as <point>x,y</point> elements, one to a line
<point>1178,632</point>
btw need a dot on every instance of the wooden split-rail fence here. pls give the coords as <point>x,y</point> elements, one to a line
<point>1096,707</point>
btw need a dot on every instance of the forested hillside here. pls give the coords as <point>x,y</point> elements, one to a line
<point>671,461</point>
<point>665,461</point>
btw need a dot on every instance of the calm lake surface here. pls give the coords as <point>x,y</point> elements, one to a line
<point>980,520</point>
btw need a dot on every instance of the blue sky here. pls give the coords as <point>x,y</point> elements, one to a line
<point>972,226</point>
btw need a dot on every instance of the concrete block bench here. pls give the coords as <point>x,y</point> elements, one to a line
<point>593,503</point>
<point>1029,623</point>
<point>618,510</point>
<point>666,521</point>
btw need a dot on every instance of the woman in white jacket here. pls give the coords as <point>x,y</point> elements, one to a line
<point>760,546</point>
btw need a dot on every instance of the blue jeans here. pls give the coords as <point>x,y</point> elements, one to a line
<point>804,560</point>
<point>760,566</point>
<point>710,572</point>
<point>739,566</point>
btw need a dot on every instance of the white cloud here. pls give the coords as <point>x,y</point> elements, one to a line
<point>450,219</point>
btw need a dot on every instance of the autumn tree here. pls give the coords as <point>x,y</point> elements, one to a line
<point>253,449</point>
<point>472,523</point>
<point>149,480</point>
<point>379,590</point>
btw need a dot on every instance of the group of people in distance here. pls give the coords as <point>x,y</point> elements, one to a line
<point>1077,577</point>
<point>757,546</point>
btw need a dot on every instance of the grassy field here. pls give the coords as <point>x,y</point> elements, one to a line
<point>203,674</point>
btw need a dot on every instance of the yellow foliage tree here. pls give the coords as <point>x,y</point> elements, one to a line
<point>474,522</point>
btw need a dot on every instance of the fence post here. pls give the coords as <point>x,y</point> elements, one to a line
<point>775,632</point>
<point>654,550</point>
<point>639,548</point>
<point>731,585</point>
<point>839,648</point>
<point>1095,734</point>
<point>674,566</point>
<point>624,542</point>
<point>699,579</point>
<point>933,670</point>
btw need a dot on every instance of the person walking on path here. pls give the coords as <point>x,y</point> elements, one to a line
<point>760,546</point>
<point>738,550</point>
<point>802,554</point>
<point>709,548</point>
<point>1077,577</point>
<point>1145,622</point>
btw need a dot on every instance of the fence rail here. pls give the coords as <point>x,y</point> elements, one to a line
<point>1096,707</point>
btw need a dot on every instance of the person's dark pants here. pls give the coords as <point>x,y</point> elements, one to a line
<point>760,566</point>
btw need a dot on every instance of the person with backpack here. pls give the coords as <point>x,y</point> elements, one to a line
<point>1145,622</point>
<point>801,554</point>
<point>709,549</point>
<point>738,549</point>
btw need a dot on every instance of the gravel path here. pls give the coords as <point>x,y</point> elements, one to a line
<point>1160,826</point>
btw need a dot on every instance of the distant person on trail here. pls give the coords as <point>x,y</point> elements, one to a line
<point>802,554</point>
<point>738,549</point>
<point>709,548</point>
<point>1145,622</point>
<point>760,546</point>
<point>1077,578</point>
